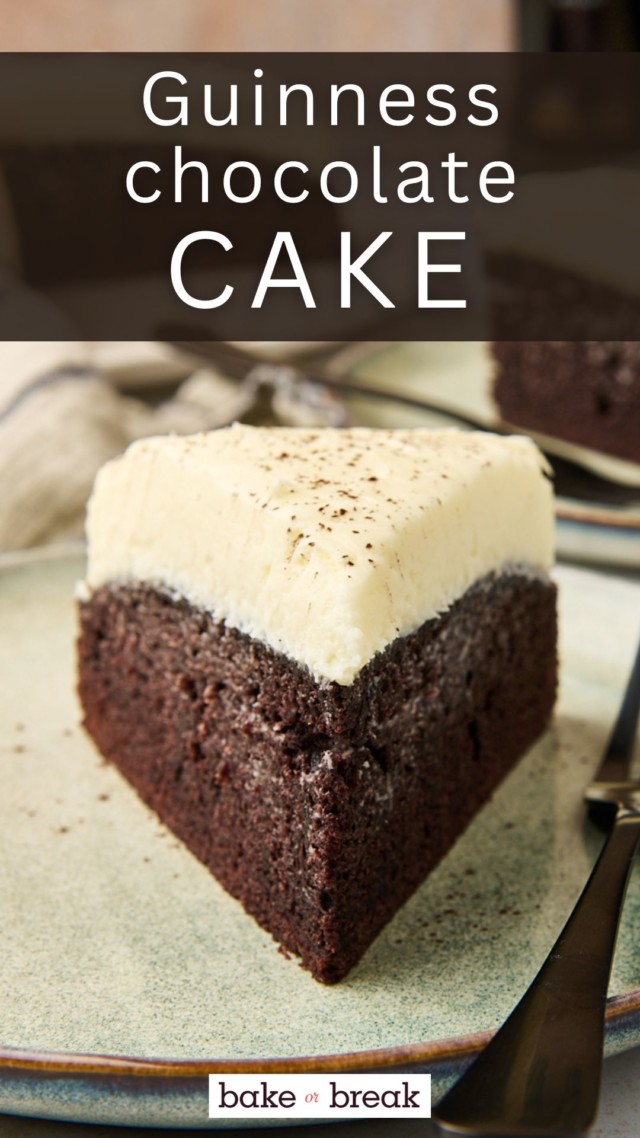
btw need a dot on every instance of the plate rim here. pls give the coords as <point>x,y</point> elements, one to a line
<point>449,1049</point>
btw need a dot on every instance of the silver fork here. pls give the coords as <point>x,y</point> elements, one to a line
<point>539,1077</point>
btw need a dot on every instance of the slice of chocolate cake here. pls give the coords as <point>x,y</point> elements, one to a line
<point>584,392</point>
<point>316,653</point>
<point>560,257</point>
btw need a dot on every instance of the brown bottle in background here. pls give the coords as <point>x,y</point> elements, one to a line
<point>563,116</point>
<point>592,25</point>
<point>577,25</point>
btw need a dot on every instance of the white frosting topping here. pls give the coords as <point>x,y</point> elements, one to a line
<point>324,544</point>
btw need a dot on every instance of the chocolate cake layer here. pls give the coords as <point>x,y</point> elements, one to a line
<point>321,807</point>
<point>586,392</point>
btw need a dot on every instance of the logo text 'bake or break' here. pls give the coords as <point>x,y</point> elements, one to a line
<point>320,1096</point>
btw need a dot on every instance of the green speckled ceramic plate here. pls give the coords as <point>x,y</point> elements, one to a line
<point>127,974</point>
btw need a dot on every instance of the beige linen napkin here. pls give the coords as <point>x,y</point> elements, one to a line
<point>61,419</point>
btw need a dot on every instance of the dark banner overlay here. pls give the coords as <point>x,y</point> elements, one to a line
<point>315,197</point>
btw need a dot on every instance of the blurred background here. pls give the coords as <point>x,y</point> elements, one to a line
<point>320,25</point>
<point>279,25</point>
<point>68,407</point>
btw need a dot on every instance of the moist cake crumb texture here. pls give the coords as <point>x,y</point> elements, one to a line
<point>586,392</point>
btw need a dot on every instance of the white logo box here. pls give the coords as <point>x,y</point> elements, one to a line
<point>320,1096</point>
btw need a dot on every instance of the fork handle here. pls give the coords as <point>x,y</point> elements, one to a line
<point>540,1074</point>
